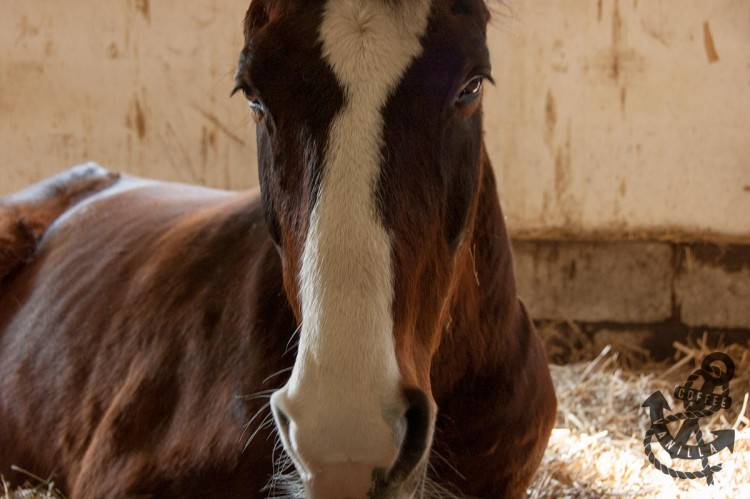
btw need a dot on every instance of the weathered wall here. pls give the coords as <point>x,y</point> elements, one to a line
<point>608,116</point>
<point>136,85</point>
<point>623,116</point>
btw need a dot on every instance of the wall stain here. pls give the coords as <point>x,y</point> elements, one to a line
<point>599,10</point>
<point>616,63</point>
<point>140,120</point>
<point>656,24</point>
<point>746,188</point>
<point>730,257</point>
<point>208,143</point>
<point>113,52</point>
<point>616,40</point>
<point>550,117</point>
<point>211,138</point>
<point>568,203</point>
<point>558,63</point>
<point>25,68</point>
<point>562,171</point>
<point>657,35</point>
<point>137,120</point>
<point>623,99</point>
<point>142,6</point>
<point>563,179</point>
<point>708,43</point>
<point>26,29</point>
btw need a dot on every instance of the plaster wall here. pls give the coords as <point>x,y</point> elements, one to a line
<point>135,85</point>
<point>623,117</point>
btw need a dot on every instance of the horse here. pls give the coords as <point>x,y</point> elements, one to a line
<point>349,330</point>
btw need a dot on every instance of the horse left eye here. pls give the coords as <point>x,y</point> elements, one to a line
<point>471,90</point>
<point>252,100</point>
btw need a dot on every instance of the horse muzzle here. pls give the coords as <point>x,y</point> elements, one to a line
<point>374,464</point>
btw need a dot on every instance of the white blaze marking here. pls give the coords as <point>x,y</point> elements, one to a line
<point>346,377</point>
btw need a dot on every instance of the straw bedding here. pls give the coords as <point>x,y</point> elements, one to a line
<point>596,449</point>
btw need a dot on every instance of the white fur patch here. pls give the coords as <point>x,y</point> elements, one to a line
<point>343,395</point>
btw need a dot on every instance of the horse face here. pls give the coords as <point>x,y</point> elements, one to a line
<point>369,149</point>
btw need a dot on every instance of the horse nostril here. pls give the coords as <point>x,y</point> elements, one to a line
<point>419,426</point>
<point>282,419</point>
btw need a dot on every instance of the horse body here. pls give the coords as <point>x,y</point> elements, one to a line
<point>368,291</point>
<point>129,340</point>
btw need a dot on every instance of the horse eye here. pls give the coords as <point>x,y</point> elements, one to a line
<point>470,91</point>
<point>252,100</point>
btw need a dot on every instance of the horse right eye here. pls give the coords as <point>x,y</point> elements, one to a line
<point>252,100</point>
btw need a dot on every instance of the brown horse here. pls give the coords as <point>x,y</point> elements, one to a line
<point>367,290</point>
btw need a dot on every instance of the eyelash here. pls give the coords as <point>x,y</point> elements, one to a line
<point>472,89</point>
<point>253,102</point>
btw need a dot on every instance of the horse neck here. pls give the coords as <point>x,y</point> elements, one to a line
<point>484,328</point>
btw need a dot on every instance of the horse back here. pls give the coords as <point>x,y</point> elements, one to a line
<point>131,333</point>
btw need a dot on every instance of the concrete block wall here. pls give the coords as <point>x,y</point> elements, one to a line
<point>645,288</point>
<point>596,282</point>
<point>712,286</point>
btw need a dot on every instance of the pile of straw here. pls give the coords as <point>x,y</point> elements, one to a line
<point>596,448</point>
<point>35,488</point>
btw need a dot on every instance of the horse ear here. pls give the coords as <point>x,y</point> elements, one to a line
<point>25,216</point>
<point>17,240</point>
<point>473,8</point>
<point>261,12</point>
<point>256,17</point>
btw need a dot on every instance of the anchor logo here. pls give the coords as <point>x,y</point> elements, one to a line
<point>698,403</point>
